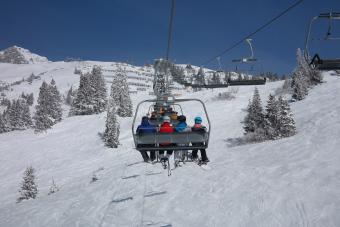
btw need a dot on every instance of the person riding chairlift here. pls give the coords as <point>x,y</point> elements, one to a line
<point>198,127</point>
<point>181,127</point>
<point>166,127</point>
<point>144,128</point>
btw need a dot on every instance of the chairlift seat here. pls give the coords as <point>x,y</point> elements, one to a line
<point>329,64</point>
<point>174,138</point>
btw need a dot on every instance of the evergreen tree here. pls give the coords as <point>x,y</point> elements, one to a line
<point>55,110</point>
<point>299,85</point>
<point>120,94</point>
<point>25,115</point>
<point>216,79</point>
<point>53,188</point>
<point>272,116</point>
<point>111,134</point>
<point>28,187</point>
<point>81,105</point>
<point>5,125</point>
<point>97,83</point>
<point>42,118</point>
<point>199,78</point>
<point>286,121</point>
<point>91,94</point>
<point>254,120</point>
<point>30,99</point>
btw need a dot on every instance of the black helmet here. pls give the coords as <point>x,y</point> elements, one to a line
<point>181,118</point>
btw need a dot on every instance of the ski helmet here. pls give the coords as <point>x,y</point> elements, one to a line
<point>198,120</point>
<point>181,118</point>
<point>166,119</point>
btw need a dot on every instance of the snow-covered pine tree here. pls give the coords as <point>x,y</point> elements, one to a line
<point>254,120</point>
<point>311,76</point>
<point>82,105</point>
<point>120,94</point>
<point>286,121</point>
<point>112,128</point>
<point>55,103</point>
<point>249,123</point>
<point>216,79</point>
<point>28,187</point>
<point>97,83</point>
<point>30,99</point>
<point>5,125</point>
<point>13,115</point>
<point>53,188</point>
<point>272,116</point>
<point>42,118</point>
<point>25,114</point>
<point>299,85</point>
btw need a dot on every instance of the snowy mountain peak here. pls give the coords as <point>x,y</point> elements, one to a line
<point>19,55</point>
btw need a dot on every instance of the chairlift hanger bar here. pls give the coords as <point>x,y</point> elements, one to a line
<point>253,33</point>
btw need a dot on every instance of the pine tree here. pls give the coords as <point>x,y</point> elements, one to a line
<point>313,76</point>
<point>53,188</point>
<point>28,187</point>
<point>111,134</point>
<point>120,94</point>
<point>25,115</point>
<point>4,123</point>
<point>30,99</point>
<point>272,118</point>
<point>97,83</point>
<point>82,105</point>
<point>215,78</point>
<point>254,119</point>
<point>299,85</point>
<point>42,118</point>
<point>91,94</point>
<point>286,121</point>
<point>55,110</point>
<point>199,78</point>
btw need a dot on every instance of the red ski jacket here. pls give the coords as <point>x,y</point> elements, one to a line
<point>166,128</point>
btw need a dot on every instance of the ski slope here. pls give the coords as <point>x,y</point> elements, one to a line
<point>288,182</point>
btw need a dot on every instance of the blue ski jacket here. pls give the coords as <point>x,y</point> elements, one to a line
<point>181,127</point>
<point>146,127</point>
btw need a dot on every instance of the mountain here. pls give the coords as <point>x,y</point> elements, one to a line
<point>19,55</point>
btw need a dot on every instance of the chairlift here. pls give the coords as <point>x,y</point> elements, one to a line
<point>164,107</point>
<point>249,66</point>
<point>318,62</point>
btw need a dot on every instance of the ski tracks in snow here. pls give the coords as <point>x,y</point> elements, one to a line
<point>129,201</point>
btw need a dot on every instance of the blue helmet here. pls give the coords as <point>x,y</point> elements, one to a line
<point>198,120</point>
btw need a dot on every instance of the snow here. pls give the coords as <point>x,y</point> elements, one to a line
<point>289,182</point>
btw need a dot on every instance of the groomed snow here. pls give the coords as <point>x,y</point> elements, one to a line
<point>288,182</point>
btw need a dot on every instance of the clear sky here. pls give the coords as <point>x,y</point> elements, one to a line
<point>136,30</point>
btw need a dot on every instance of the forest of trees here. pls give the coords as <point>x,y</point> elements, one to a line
<point>275,122</point>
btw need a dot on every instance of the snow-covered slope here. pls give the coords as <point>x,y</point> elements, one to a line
<point>19,55</point>
<point>288,182</point>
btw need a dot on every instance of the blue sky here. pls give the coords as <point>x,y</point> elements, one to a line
<point>136,31</point>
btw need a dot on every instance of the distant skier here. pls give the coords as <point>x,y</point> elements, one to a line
<point>166,127</point>
<point>198,127</point>
<point>144,128</point>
